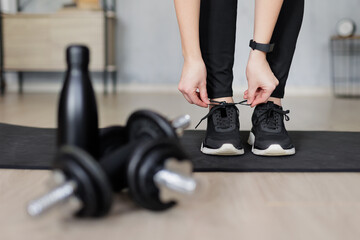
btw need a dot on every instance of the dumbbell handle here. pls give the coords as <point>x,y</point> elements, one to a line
<point>175,182</point>
<point>182,122</point>
<point>51,199</point>
<point>115,164</point>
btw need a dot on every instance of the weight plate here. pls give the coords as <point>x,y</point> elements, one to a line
<point>145,124</point>
<point>94,189</point>
<point>145,162</point>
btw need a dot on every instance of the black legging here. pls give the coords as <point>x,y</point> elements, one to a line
<point>217,42</point>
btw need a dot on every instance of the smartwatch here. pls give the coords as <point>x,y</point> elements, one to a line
<point>261,47</point>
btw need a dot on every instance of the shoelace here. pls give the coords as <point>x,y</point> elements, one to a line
<point>270,118</point>
<point>218,105</point>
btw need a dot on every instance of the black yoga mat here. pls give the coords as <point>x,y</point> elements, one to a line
<point>26,147</point>
<point>315,152</point>
<point>34,148</point>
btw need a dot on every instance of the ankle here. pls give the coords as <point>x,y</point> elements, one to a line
<point>277,101</point>
<point>223,99</point>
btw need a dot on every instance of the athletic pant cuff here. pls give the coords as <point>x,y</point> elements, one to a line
<point>220,95</point>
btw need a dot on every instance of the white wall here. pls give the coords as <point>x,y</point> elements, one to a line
<point>149,48</point>
<point>150,44</point>
<point>312,61</point>
<point>8,6</point>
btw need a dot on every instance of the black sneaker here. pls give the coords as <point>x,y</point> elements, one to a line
<point>222,133</point>
<point>268,135</point>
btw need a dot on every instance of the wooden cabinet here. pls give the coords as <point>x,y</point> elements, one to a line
<point>37,42</point>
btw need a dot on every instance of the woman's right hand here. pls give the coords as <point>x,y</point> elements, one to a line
<point>193,83</point>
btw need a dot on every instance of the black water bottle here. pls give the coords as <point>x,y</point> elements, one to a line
<point>77,116</point>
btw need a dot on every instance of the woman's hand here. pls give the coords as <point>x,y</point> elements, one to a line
<point>193,83</point>
<point>261,80</point>
<point>193,78</point>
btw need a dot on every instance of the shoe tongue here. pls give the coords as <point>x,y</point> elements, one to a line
<point>271,104</point>
<point>267,105</point>
<point>224,111</point>
<point>225,119</point>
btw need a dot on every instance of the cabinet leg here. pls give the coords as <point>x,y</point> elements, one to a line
<point>2,83</point>
<point>105,81</point>
<point>114,81</point>
<point>20,82</point>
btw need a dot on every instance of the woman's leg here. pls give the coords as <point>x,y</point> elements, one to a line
<point>268,135</point>
<point>217,43</point>
<point>285,36</point>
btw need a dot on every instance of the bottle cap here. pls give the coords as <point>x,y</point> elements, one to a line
<point>78,55</point>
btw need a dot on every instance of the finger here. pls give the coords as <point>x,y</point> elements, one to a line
<point>255,101</point>
<point>196,100</point>
<point>258,92</point>
<point>246,94</point>
<point>199,97</point>
<point>187,98</point>
<point>261,98</point>
<point>256,95</point>
<point>203,94</point>
<point>263,95</point>
<point>251,95</point>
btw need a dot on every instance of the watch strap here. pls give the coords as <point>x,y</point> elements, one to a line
<point>261,47</point>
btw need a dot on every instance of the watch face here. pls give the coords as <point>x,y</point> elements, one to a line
<point>345,28</point>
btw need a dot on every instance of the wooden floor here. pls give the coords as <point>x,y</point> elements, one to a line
<point>235,205</point>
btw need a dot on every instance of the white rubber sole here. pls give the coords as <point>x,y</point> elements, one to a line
<point>226,149</point>
<point>272,150</point>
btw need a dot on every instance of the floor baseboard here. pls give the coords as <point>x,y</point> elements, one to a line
<point>162,88</point>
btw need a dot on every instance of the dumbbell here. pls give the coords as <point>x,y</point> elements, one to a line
<point>83,177</point>
<point>157,173</point>
<point>142,125</point>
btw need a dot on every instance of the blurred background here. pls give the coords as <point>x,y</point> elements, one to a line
<point>136,48</point>
<point>146,48</point>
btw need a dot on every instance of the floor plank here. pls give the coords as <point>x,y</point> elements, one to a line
<point>233,206</point>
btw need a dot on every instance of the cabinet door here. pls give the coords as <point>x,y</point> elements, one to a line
<point>85,28</point>
<point>26,42</point>
<point>38,42</point>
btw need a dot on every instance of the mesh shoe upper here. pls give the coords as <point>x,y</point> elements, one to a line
<point>223,126</point>
<point>268,126</point>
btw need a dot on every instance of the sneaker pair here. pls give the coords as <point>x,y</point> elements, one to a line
<point>268,135</point>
